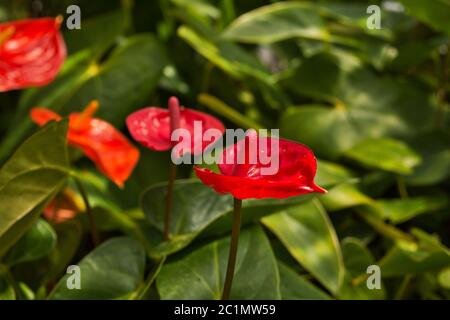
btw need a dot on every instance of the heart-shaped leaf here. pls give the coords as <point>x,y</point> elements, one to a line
<point>197,207</point>
<point>256,275</point>
<point>113,270</point>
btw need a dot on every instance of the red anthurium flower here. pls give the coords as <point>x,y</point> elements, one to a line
<point>152,126</point>
<point>31,52</point>
<point>107,147</point>
<point>245,179</point>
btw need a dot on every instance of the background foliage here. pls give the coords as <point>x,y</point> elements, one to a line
<point>372,104</point>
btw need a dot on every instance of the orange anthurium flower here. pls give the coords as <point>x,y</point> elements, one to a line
<point>107,147</point>
<point>63,207</point>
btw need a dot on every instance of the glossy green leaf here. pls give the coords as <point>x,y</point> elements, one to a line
<point>386,154</point>
<point>276,22</point>
<point>37,242</point>
<point>256,275</point>
<point>112,270</point>
<point>30,178</point>
<point>195,208</point>
<point>309,236</point>
<point>296,287</point>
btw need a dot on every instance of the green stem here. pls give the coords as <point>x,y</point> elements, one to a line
<point>403,286</point>
<point>168,212</point>
<point>384,228</point>
<point>402,190</point>
<point>233,249</point>
<point>92,225</point>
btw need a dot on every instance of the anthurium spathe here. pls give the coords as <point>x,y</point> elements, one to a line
<point>106,146</point>
<point>31,52</point>
<point>293,176</point>
<point>246,173</point>
<point>153,126</point>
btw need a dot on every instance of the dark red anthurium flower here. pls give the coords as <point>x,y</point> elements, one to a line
<point>152,126</point>
<point>106,146</point>
<point>31,52</point>
<point>245,179</point>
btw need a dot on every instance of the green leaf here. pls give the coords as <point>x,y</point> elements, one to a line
<point>330,174</point>
<point>277,22</point>
<point>364,105</point>
<point>428,254</point>
<point>69,238</point>
<point>444,278</point>
<point>226,55</point>
<point>29,180</point>
<point>434,148</point>
<point>309,236</point>
<point>37,242</point>
<point>356,259</point>
<point>196,207</point>
<point>112,270</point>
<point>108,27</point>
<point>111,85</point>
<point>256,275</point>
<point>434,13</point>
<point>296,287</point>
<point>401,210</point>
<point>386,154</point>
<point>7,291</point>
<point>343,196</point>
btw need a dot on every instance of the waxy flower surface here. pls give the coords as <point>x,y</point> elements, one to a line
<point>152,126</point>
<point>244,180</point>
<point>31,53</point>
<point>106,146</point>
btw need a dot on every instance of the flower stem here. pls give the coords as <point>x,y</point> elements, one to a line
<point>233,249</point>
<point>168,213</point>
<point>92,225</point>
